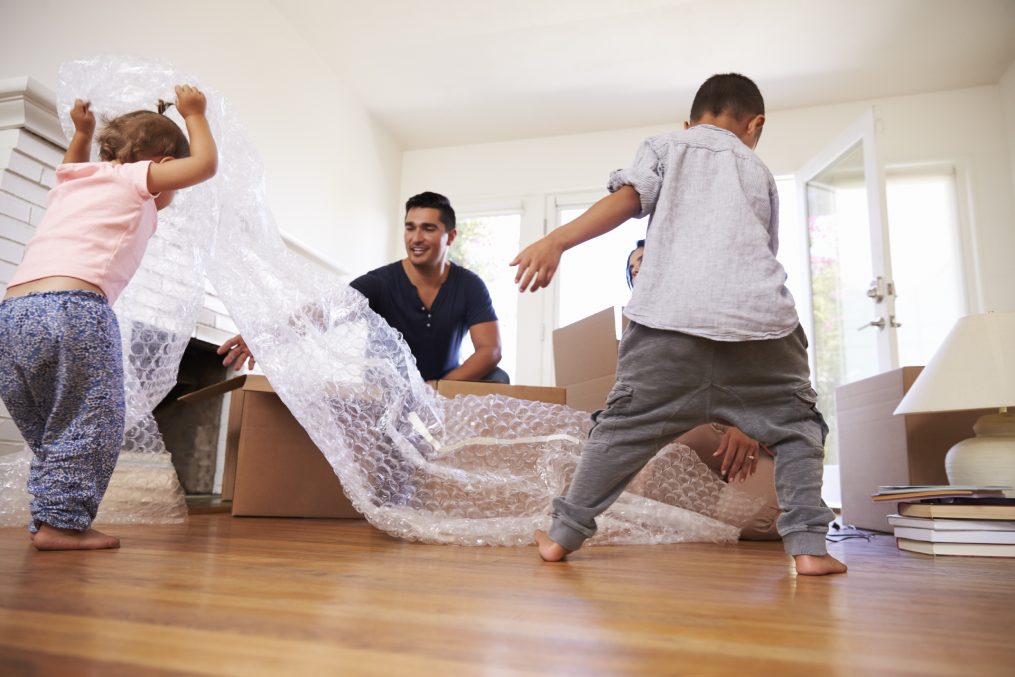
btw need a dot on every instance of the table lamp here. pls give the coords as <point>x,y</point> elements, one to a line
<point>974,369</point>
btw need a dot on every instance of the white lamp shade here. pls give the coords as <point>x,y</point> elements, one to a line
<point>973,369</point>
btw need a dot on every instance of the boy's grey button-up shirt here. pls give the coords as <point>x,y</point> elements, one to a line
<point>709,267</point>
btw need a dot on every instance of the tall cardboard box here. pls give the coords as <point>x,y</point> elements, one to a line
<point>272,467</point>
<point>876,447</point>
<point>585,358</point>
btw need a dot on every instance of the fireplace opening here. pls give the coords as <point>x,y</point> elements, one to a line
<point>191,433</point>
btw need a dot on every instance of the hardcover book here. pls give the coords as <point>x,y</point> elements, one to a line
<point>895,493</point>
<point>968,549</point>
<point>940,524</point>
<point>1003,509</point>
<point>965,536</point>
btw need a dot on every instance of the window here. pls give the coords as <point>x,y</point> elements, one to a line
<point>926,259</point>
<point>593,275</point>
<point>484,245</point>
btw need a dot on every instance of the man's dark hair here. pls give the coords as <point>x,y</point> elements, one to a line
<point>141,134</point>
<point>728,93</point>
<point>429,200</point>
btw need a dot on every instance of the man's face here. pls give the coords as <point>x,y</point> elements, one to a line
<point>426,241</point>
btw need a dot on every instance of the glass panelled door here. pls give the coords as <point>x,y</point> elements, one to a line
<point>852,312</point>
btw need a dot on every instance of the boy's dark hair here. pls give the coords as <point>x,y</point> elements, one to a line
<point>141,134</point>
<point>429,200</point>
<point>728,93</point>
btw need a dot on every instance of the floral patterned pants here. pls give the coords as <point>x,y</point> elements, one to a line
<point>61,379</point>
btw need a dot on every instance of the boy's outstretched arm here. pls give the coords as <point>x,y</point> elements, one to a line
<point>203,160</point>
<point>80,146</point>
<point>538,262</point>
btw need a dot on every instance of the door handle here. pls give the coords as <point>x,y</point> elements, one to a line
<point>876,290</point>
<point>879,323</point>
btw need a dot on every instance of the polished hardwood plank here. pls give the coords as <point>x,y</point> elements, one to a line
<point>225,596</point>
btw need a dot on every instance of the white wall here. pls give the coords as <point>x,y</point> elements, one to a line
<point>332,174</point>
<point>1007,86</point>
<point>967,127</point>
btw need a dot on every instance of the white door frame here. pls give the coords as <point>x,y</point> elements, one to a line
<point>862,131</point>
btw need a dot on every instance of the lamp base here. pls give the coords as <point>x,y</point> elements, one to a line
<point>988,458</point>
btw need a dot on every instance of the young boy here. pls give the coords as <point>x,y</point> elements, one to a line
<point>714,333</point>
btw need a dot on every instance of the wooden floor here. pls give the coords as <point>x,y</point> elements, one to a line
<point>225,596</point>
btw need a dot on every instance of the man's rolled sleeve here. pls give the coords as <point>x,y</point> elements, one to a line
<point>643,175</point>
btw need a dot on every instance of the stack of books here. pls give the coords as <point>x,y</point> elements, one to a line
<point>951,520</point>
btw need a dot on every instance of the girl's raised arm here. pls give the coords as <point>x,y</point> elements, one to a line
<point>203,160</point>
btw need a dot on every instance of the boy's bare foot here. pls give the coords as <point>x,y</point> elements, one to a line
<point>815,565</point>
<point>52,538</point>
<point>549,550</point>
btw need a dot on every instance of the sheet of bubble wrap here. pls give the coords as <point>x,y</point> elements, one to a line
<point>469,471</point>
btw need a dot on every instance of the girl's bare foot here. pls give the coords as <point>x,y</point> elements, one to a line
<point>549,550</point>
<point>52,538</point>
<point>814,565</point>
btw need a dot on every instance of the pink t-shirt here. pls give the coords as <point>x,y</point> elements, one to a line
<point>97,224</point>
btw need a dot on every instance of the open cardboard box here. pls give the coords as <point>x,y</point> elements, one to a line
<point>585,358</point>
<point>877,447</point>
<point>272,467</point>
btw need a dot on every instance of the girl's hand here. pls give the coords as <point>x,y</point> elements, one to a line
<point>190,101</point>
<point>83,118</point>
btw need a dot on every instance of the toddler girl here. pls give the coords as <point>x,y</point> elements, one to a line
<point>61,371</point>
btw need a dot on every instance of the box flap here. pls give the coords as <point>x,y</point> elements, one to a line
<point>247,382</point>
<point>586,349</point>
<point>536,393</point>
<point>590,395</point>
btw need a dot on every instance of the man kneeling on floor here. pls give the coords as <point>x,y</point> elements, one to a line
<point>431,301</point>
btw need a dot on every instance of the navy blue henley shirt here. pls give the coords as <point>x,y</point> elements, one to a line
<point>434,334</point>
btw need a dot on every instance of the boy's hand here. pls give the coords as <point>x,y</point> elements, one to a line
<point>190,101</point>
<point>537,264</point>
<point>740,454</point>
<point>83,118</point>
<point>238,352</point>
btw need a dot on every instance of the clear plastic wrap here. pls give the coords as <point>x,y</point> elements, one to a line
<point>470,470</point>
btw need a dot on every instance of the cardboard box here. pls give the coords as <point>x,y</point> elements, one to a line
<point>272,467</point>
<point>537,393</point>
<point>585,366</point>
<point>585,358</point>
<point>876,447</point>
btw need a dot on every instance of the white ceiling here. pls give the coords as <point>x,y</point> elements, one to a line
<point>448,72</point>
